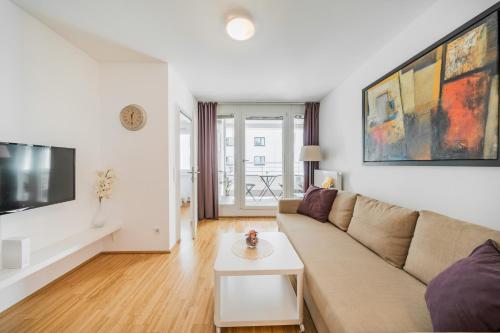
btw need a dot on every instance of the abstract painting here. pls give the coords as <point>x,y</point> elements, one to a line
<point>441,107</point>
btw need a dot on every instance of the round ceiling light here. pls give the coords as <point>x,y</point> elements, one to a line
<point>240,28</point>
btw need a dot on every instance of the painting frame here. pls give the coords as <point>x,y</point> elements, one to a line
<point>471,24</point>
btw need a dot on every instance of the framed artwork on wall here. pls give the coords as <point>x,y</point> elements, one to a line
<point>441,106</point>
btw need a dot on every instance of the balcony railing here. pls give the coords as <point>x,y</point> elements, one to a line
<point>263,184</point>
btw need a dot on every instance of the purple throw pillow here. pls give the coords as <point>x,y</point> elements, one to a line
<point>317,203</point>
<point>465,297</point>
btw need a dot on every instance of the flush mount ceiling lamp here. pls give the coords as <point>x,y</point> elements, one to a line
<point>240,28</point>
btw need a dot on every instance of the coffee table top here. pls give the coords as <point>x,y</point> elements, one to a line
<point>284,259</point>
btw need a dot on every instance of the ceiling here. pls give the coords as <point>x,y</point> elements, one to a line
<point>300,51</point>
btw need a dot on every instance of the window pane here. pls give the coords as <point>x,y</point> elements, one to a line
<point>259,141</point>
<point>263,160</point>
<point>225,155</point>
<point>259,160</point>
<point>298,166</point>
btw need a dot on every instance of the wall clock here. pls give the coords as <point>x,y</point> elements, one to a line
<point>133,117</point>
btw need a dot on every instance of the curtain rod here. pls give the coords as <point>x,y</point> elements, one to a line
<point>256,103</point>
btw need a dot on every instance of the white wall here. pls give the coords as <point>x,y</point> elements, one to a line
<point>50,95</point>
<point>467,193</point>
<point>55,94</point>
<point>140,159</point>
<point>179,98</point>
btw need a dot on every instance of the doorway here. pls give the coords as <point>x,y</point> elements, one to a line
<point>187,202</point>
<point>258,157</point>
<point>263,162</point>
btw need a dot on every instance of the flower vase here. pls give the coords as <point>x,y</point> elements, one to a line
<point>99,218</point>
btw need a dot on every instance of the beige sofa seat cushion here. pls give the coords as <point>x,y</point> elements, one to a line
<point>342,209</point>
<point>384,228</point>
<point>353,288</point>
<point>439,241</point>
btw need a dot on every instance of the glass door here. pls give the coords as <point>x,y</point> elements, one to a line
<point>263,167</point>
<point>298,165</point>
<point>225,155</point>
<point>258,148</point>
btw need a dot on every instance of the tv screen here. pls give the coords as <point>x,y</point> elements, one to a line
<point>35,176</point>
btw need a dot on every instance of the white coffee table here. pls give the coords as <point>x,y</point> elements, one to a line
<point>258,292</point>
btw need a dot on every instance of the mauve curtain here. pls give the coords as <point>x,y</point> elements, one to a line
<point>208,196</point>
<point>311,138</point>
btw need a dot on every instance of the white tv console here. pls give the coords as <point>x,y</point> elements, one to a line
<point>55,252</point>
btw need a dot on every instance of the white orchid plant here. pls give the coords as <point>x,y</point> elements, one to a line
<point>105,182</point>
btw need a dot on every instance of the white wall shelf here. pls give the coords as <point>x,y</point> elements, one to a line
<point>53,253</point>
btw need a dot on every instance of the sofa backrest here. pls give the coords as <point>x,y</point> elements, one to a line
<point>384,228</point>
<point>342,209</point>
<point>439,241</point>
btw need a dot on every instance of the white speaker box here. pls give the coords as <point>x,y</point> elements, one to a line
<point>15,252</point>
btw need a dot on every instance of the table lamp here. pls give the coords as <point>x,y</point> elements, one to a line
<point>311,155</point>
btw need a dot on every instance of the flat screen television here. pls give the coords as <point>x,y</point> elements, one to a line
<point>33,176</point>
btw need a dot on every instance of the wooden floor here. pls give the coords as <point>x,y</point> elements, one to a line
<point>138,292</point>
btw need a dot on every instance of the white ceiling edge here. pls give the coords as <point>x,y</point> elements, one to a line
<point>100,49</point>
<point>285,88</point>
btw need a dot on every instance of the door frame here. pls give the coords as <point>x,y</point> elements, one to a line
<point>195,170</point>
<point>194,175</point>
<point>240,112</point>
<point>241,162</point>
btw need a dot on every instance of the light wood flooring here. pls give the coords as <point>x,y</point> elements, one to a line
<point>138,292</point>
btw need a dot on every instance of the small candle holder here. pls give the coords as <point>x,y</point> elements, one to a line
<point>251,239</point>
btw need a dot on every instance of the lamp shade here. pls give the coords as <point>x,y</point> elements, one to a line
<point>310,154</point>
<point>4,152</point>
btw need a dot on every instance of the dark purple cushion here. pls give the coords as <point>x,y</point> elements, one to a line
<point>317,203</point>
<point>466,296</point>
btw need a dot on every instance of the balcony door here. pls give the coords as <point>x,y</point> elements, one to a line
<point>263,167</point>
<point>258,152</point>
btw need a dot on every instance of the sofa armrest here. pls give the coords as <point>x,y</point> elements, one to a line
<point>288,206</point>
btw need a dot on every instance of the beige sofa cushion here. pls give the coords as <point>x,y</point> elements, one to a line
<point>352,288</point>
<point>288,206</point>
<point>342,209</point>
<point>384,228</point>
<point>439,241</point>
